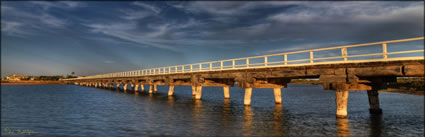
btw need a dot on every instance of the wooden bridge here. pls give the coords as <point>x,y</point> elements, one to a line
<point>342,68</point>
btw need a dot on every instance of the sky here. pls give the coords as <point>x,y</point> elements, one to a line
<point>57,38</point>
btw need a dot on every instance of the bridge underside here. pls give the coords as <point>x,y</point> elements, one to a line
<point>369,76</point>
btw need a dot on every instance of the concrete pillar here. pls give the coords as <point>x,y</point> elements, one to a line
<point>132,86</point>
<point>143,87</point>
<point>226,92</point>
<point>341,99</point>
<point>155,89</point>
<point>247,98</point>
<point>118,85</point>
<point>125,86</point>
<point>95,85</point>
<point>198,92</point>
<point>171,90</point>
<point>277,95</point>
<point>374,101</point>
<point>193,90</point>
<point>150,89</point>
<point>136,87</point>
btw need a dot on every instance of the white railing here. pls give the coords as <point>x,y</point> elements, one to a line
<point>266,61</point>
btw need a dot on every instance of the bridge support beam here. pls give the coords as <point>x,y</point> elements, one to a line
<point>150,89</point>
<point>374,107</point>
<point>226,92</point>
<point>136,87</point>
<point>247,98</point>
<point>341,99</point>
<point>118,86</point>
<point>171,90</point>
<point>142,87</point>
<point>96,85</point>
<point>193,90</point>
<point>155,88</point>
<point>277,95</point>
<point>125,87</point>
<point>198,92</point>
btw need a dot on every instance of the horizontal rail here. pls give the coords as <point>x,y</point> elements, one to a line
<point>266,61</point>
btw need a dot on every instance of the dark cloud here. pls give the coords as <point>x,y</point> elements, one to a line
<point>132,35</point>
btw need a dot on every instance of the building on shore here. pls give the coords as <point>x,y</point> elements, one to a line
<point>16,77</point>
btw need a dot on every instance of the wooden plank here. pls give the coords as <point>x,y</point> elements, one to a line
<point>414,70</point>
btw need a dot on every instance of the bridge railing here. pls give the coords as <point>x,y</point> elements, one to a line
<point>339,54</point>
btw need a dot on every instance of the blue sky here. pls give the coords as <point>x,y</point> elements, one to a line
<point>57,38</point>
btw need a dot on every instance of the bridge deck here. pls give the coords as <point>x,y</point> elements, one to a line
<point>341,75</point>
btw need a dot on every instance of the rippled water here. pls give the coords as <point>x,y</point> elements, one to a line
<point>306,110</point>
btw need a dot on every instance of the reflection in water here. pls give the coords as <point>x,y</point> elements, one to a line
<point>196,114</point>
<point>226,113</point>
<point>375,125</point>
<point>343,127</point>
<point>171,100</point>
<point>247,123</point>
<point>277,119</point>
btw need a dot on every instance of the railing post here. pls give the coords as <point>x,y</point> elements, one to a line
<point>247,62</point>
<point>169,69</point>
<point>384,50</point>
<point>233,63</point>
<point>176,69</point>
<point>191,68</point>
<point>221,65</point>
<point>311,56</point>
<point>210,65</point>
<point>265,61</point>
<point>182,68</point>
<point>344,53</point>
<point>200,67</point>
<point>285,59</point>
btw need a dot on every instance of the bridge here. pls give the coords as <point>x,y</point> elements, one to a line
<point>367,66</point>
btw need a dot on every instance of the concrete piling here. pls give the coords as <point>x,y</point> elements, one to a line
<point>198,92</point>
<point>247,98</point>
<point>277,95</point>
<point>171,90</point>
<point>226,92</point>
<point>341,99</point>
<point>374,107</point>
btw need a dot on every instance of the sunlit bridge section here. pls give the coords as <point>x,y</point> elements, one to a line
<point>366,66</point>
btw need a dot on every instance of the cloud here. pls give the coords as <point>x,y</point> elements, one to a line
<point>123,31</point>
<point>12,28</point>
<point>148,7</point>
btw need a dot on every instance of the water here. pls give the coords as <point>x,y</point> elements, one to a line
<point>306,110</point>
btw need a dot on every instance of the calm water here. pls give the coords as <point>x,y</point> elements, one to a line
<point>306,110</point>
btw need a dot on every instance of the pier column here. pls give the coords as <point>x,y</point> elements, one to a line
<point>198,92</point>
<point>277,95</point>
<point>374,101</point>
<point>226,92</point>
<point>150,89</point>
<point>125,86</point>
<point>171,90</point>
<point>118,86</point>
<point>95,85</point>
<point>247,98</point>
<point>136,87</point>
<point>193,90</point>
<point>132,86</point>
<point>155,89</point>
<point>142,87</point>
<point>341,99</point>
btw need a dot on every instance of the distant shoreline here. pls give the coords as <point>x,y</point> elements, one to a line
<point>31,83</point>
